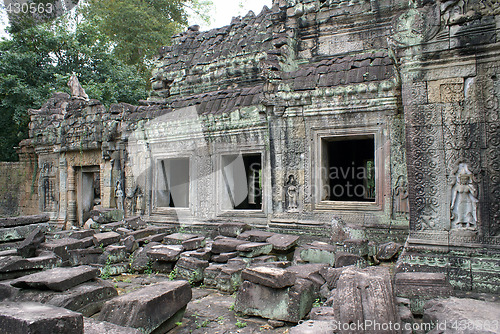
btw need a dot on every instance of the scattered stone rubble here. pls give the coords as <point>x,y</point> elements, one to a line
<point>52,280</point>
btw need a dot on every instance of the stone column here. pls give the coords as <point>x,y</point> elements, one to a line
<point>63,189</point>
<point>71,212</point>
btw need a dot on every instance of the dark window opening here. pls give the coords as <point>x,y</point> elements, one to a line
<point>350,169</point>
<point>242,177</point>
<point>173,183</point>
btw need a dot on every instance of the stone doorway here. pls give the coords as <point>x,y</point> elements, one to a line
<point>88,192</point>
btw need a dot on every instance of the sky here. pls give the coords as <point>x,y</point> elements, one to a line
<point>222,13</point>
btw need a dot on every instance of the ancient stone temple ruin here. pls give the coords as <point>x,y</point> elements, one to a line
<point>337,120</point>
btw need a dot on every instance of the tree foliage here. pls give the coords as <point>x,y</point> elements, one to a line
<point>108,44</point>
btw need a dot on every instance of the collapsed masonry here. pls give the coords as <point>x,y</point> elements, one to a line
<point>333,119</point>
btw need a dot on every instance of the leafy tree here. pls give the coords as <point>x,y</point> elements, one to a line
<point>109,44</point>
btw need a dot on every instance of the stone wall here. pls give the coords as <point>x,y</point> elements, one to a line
<point>12,177</point>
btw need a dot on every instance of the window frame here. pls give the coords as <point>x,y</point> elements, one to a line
<point>167,209</point>
<point>318,164</point>
<point>221,209</point>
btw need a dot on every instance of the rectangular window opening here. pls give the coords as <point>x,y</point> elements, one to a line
<point>349,169</point>
<point>173,183</point>
<point>242,181</point>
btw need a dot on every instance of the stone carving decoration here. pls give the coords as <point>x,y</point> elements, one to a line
<point>292,194</point>
<point>77,90</point>
<point>400,196</point>
<point>464,199</point>
<point>119,195</point>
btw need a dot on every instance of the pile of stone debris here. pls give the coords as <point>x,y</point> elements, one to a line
<point>55,282</point>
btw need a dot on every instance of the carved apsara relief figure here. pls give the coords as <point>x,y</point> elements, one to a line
<point>292,194</point>
<point>464,199</point>
<point>401,196</point>
<point>119,195</point>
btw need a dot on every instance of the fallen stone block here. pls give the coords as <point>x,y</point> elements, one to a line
<point>201,254</point>
<point>130,244</point>
<point>113,254</point>
<point>194,243</point>
<point>9,234</point>
<point>191,269</point>
<point>233,229</point>
<point>104,216</point>
<point>106,239</point>
<point>15,266</point>
<point>262,259</point>
<point>113,269</point>
<point>210,274</point>
<point>224,257</point>
<point>82,234</point>
<point>356,246</point>
<point>419,287</point>
<point>178,238</point>
<point>135,223</point>
<point>365,295</point>
<point>79,257</point>
<point>314,327</point>
<point>150,231</point>
<point>34,318</point>
<point>140,259</point>
<point>23,220</point>
<point>254,249</point>
<point>388,251</point>
<point>86,298</point>
<point>290,304</point>
<point>61,246</point>
<point>124,231</point>
<point>317,252</point>
<point>57,279</point>
<point>87,242</point>
<point>331,276</point>
<point>167,253</point>
<point>151,238</point>
<point>343,259</point>
<point>90,224</point>
<point>162,267</point>
<point>92,326</point>
<point>28,246</point>
<point>255,236</point>
<point>148,309</point>
<point>229,278</point>
<point>226,245</point>
<point>112,226</point>
<point>283,242</point>
<point>310,272</point>
<point>462,315</point>
<point>272,277</point>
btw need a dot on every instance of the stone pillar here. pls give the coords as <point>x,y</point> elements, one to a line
<point>63,190</point>
<point>107,189</point>
<point>71,211</point>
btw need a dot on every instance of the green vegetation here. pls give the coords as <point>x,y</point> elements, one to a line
<point>108,44</point>
<point>240,324</point>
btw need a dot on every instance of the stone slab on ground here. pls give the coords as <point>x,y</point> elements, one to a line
<point>178,238</point>
<point>233,229</point>
<point>255,235</point>
<point>194,243</point>
<point>344,259</point>
<point>268,276</point>
<point>283,242</point>
<point>317,252</point>
<point>33,240</point>
<point>16,266</point>
<point>106,239</point>
<point>191,269</point>
<point>23,220</point>
<point>147,309</point>
<point>86,298</point>
<point>92,326</point>
<point>229,277</point>
<point>81,234</point>
<point>201,254</point>
<point>17,233</point>
<point>290,304</point>
<point>168,253</point>
<point>224,257</point>
<point>57,279</point>
<point>226,245</point>
<point>150,231</point>
<point>61,246</point>
<point>34,318</point>
<point>135,223</point>
<point>471,313</point>
<point>140,258</point>
<point>310,271</point>
<point>254,249</point>
<point>78,257</point>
